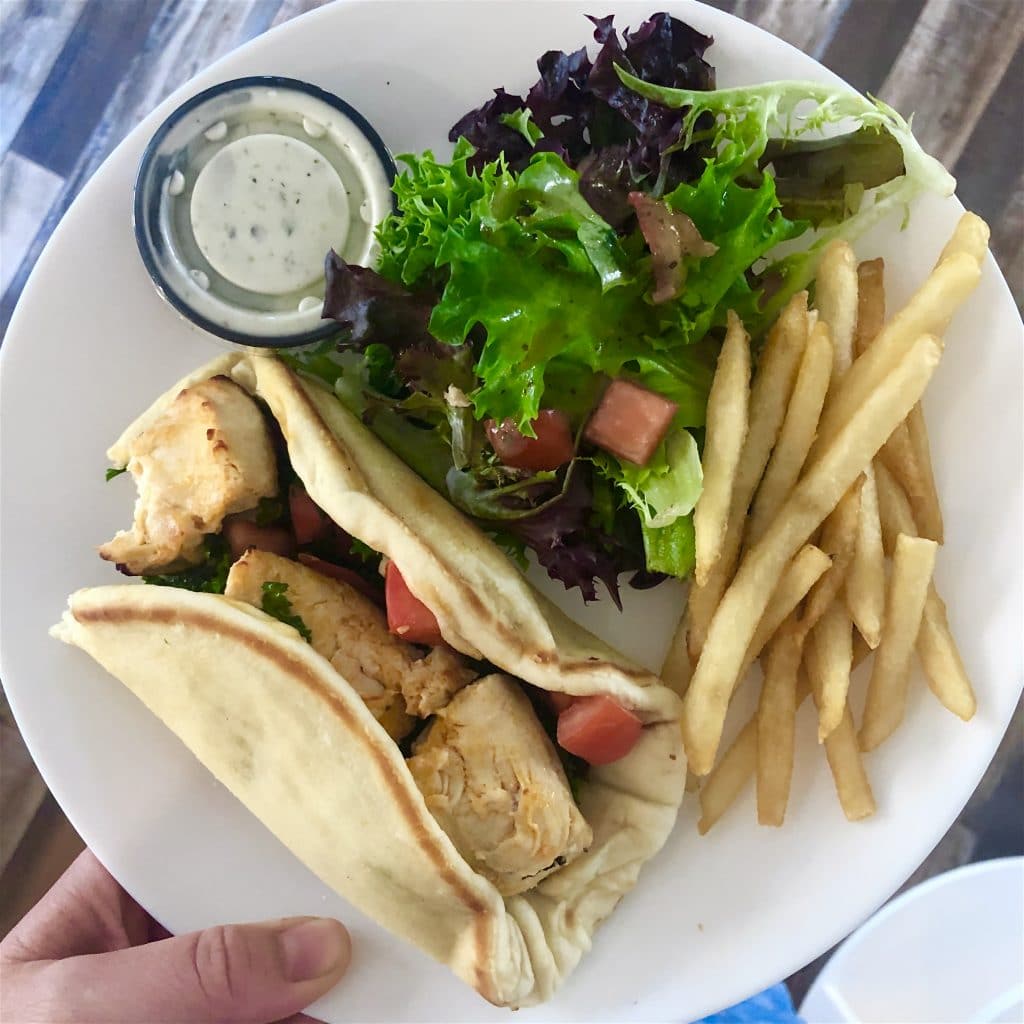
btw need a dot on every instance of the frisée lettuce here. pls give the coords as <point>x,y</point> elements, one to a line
<point>774,133</point>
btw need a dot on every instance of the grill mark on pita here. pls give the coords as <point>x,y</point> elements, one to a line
<point>293,668</point>
<point>482,978</point>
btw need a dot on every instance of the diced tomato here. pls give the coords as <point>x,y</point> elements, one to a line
<point>559,701</point>
<point>338,572</point>
<point>242,534</point>
<point>630,421</point>
<point>408,616</point>
<point>551,448</point>
<point>308,521</point>
<point>598,729</point>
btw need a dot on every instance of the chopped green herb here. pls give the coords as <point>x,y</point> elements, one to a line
<point>269,511</point>
<point>112,472</point>
<point>363,551</point>
<point>209,576</point>
<point>275,602</point>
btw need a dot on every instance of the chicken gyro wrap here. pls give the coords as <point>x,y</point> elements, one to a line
<point>374,679</point>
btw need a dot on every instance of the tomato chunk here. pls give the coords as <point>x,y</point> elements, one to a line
<point>242,534</point>
<point>630,421</point>
<point>408,616</point>
<point>308,521</point>
<point>551,448</point>
<point>559,701</point>
<point>338,572</point>
<point>598,729</point>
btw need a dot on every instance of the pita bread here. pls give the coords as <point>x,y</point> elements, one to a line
<point>295,743</point>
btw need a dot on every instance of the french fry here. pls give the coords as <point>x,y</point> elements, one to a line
<point>676,668</point>
<point>776,722</point>
<point>971,236</point>
<point>839,542</point>
<point>940,658</point>
<point>769,397</point>
<point>894,511</point>
<point>848,772</point>
<point>836,301</point>
<point>738,765</point>
<point>728,407</point>
<point>865,588</point>
<point>847,767</point>
<point>870,304</point>
<point>941,661</point>
<point>907,452</point>
<point>901,459</point>
<point>913,564</point>
<point>865,578</point>
<point>814,497</point>
<point>727,781</point>
<point>928,310</point>
<point>832,638</point>
<point>843,754</point>
<point>809,565</point>
<point>929,516</point>
<point>797,432</point>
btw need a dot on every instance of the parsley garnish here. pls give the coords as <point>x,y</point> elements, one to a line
<point>210,576</point>
<point>112,472</point>
<point>363,551</point>
<point>276,603</point>
<point>269,511</point>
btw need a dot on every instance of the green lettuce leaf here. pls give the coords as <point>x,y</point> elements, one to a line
<point>671,549</point>
<point>749,119</point>
<point>667,487</point>
<point>524,262</point>
<point>521,121</point>
<point>745,223</point>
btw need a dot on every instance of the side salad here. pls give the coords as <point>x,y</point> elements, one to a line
<point>538,337</point>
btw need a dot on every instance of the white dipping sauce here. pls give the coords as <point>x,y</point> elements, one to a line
<point>256,185</point>
<point>266,210</point>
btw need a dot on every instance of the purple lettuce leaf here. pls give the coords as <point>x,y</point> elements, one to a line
<point>574,549</point>
<point>618,139</point>
<point>373,310</point>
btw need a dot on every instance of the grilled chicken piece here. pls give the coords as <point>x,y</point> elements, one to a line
<point>351,632</point>
<point>493,781</point>
<point>208,455</point>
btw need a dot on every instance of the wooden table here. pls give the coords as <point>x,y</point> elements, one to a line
<point>77,75</point>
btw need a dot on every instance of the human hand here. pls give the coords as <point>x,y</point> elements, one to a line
<point>88,953</point>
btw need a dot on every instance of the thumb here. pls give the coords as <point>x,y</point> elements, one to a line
<point>230,974</point>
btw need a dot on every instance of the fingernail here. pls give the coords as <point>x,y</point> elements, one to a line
<point>314,948</point>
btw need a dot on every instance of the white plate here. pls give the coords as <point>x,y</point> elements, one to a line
<point>712,919</point>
